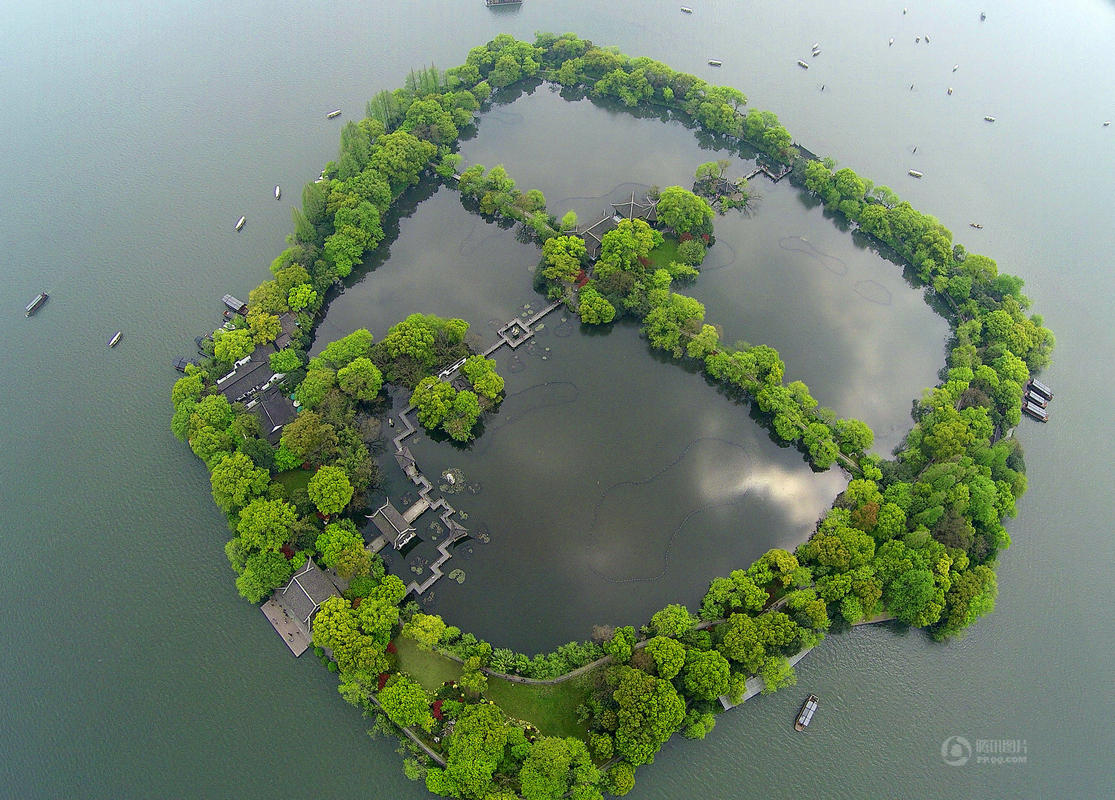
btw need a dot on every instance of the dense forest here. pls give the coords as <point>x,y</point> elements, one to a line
<point>916,536</point>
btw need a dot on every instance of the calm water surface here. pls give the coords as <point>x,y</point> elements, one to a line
<point>135,135</point>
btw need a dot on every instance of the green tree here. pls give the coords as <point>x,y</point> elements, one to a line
<point>620,646</point>
<point>777,673</point>
<point>668,655</point>
<point>555,766</point>
<point>705,676</point>
<point>301,296</point>
<point>264,327</point>
<point>434,400</point>
<point>360,379</point>
<point>684,211</point>
<point>462,417</point>
<point>314,387</point>
<point>595,308</point>
<point>342,548</point>
<point>344,351</point>
<point>266,524</point>
<point>425,629</point>
<point>481,373</point>
<point>308,438</point>
<point>235,480</point>
<point>285,361</point>
<point>262,574</point>
<point>621,778</point>
<point>406,703</point>
<point>229,346</point>
<point>330,490</point>
<point>187,388</point>
<point>650,710</point>
<point>562,258</point>
<point>475,750</point>
<point>673,621</point>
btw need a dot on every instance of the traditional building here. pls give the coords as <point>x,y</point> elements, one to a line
<point>291,609</point>
<point>392,525</point>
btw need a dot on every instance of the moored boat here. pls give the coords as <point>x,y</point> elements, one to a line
<point>240,223</point>
<point>915,173</point>
<point>115,340</point>
<point>1037,387</point>
<point>686,10</point>
<point>988,117</point>
<point>333,114</point>
<point>1036,412</point>
<point>36,304</point>
<point>278,192</point>
<point>802,64</point>
<point>805,716</point>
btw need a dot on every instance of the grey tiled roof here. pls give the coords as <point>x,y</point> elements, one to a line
<point>304,594</point>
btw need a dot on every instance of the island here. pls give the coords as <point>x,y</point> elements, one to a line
<point>288,440</point>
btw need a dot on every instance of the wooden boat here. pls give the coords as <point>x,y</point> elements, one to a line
<point>914,173</point>
<point>115,340</point>
<point>975,225</point>
<point>713,62</point>
<point>333,114</point>
<point>278,192</point>
<point>1037,387</point>
<point>1036,399</point>
<point>686,10</point>
<point>989,118</point>
<point>802,64</point>
<point>805,716</point>
<point>240,223</point>
<point>36,304</point>
<point>1036,412</point>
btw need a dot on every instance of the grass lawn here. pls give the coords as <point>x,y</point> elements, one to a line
<point>428,668</point>
<point>294,478</point>
<point>660,257</point>
<point>552,709</point>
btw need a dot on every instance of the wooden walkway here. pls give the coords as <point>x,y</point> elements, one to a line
<point>774,176</point>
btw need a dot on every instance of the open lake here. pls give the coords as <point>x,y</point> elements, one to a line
<point>611,482</point>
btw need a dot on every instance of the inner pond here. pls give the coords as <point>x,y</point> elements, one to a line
<point>613,481</point>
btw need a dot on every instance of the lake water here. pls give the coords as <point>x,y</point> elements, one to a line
<point>136,134</point>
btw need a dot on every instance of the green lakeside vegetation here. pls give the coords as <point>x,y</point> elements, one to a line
<point>916,536</point>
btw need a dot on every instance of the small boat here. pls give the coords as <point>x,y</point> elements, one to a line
<point>950,92</point>
<point>955,67</point>
<point>182,362</point>
<point>891,42</point>
<point>333,114</point>
<point>115,340</point>
<point>1037,387</point>
<point>278,192</point>
<point>802,64</point>
<point>927,39</point>
<point>816,46</point>
<point>975,225</point>
<point>982,16</point>
<point>989,118</point>
<point>1036,399</point>
<point>917,40</point>
<point>37,303</point>
<point>1036,412</point>
<point>805,716</point>
<point>816,53</point>
<point>915,173</point>
<point>1108,122</point>
<point>686,10</point>
<point>712,62</point>
<point>240,223</point>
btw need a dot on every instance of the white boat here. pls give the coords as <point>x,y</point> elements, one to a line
<point>891,42</point>
<point>115,340</point>
<point>989,118</point>
<point>1107,123</point>
<point>35,304</point>
<point>915,173</point>
<point>686,10</point>
<point>278,192</point>
<point>240,223</point>
<point>955,67</point>
<point>802,64</point>
<point>950,90</point>
<point>712,62</point>
<point>816,52</point>
<point>333,114</point>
